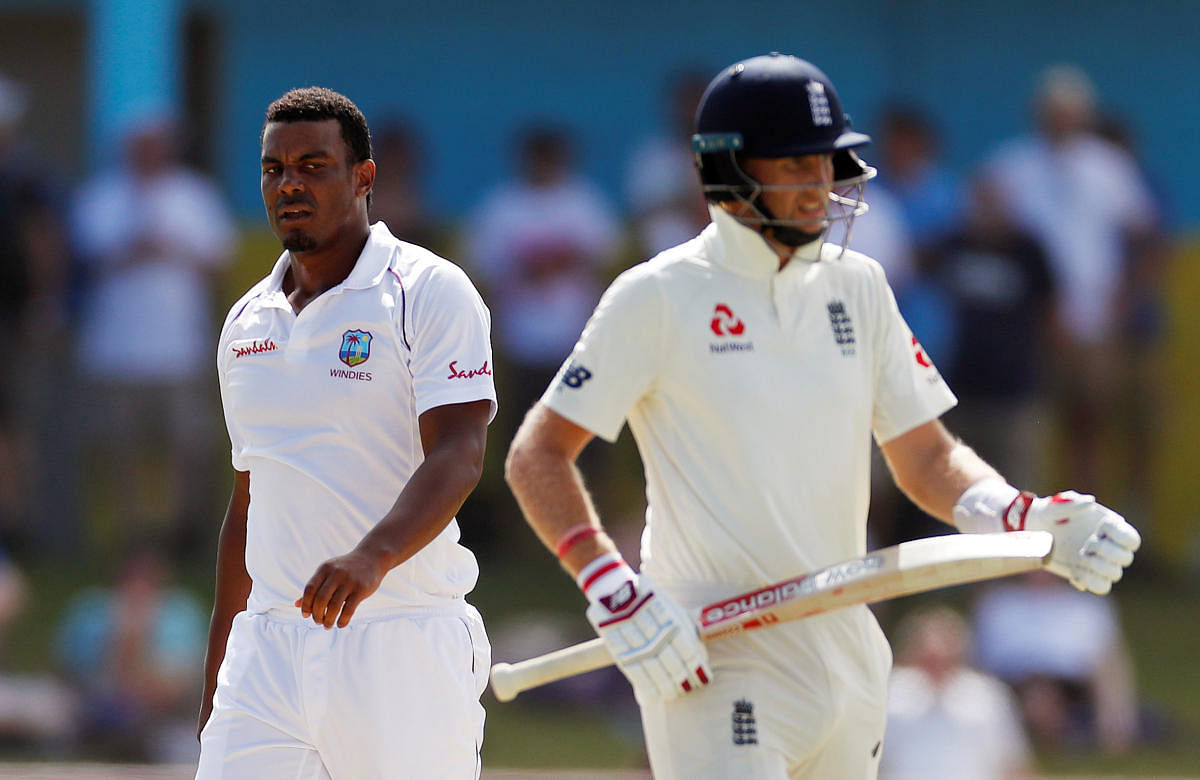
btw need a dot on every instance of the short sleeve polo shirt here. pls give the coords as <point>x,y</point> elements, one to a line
<point>753,394</point>
<point>322,409</point>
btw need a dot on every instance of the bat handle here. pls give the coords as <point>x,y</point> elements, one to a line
<point>510,679</point>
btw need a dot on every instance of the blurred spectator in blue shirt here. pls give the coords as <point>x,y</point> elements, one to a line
<point>910,167</point>
<point>132,650</point>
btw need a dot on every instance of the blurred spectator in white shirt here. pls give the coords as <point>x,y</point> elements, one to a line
<point>1086,202</point>
<point>662,185</point>
<point>1065,654</point>
<point>947,721</point>
<point>542,244</point>
<point>152,236</point>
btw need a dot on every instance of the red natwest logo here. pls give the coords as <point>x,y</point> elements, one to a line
<point>255,348</point>
<point>919,354</point>
<point>724,323</point>
<point>462,373</point>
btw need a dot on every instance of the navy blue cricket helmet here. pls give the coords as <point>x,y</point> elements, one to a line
<point>774,105</point>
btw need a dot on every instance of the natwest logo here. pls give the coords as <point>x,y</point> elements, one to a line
<point>463,373</point>
<point>724,323</point>
<point>255,347</point>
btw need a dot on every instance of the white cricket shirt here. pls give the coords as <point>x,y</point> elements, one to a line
<point>752,393</point>
<point>322,410</point>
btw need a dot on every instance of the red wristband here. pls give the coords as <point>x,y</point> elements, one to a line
<point>573,536</point>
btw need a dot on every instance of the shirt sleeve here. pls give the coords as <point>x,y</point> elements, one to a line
<point>615,362</point>
<point>236,444</point>
<point>909,391</point>
<point>450,339</point>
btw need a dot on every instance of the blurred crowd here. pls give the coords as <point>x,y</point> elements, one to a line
<point>1034,282</point>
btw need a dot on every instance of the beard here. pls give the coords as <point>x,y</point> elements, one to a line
<point>791,236</point>
<point>298,241</point>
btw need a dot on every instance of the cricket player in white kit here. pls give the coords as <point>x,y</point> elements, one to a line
<point>753,364</point>
<point>357,386</point>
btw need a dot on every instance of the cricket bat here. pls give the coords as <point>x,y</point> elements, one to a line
<point>888,573</point>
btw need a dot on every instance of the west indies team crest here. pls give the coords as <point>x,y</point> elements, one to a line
<point>356,347</point>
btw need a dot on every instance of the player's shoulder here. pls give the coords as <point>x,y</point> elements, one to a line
<point>425,279</point>
<point>663,273</point>
<point>850,263</point>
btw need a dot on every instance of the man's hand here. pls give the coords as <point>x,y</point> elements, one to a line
<point>339,585</point>
<point>652,639</point>
<point>1092,543</point>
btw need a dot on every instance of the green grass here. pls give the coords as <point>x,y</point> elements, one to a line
<point>1160,618</point>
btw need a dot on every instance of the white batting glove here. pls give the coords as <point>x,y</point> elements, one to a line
<point>1092,543</point>
<point>653,640</point>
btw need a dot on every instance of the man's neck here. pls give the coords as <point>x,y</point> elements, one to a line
<point>314,272</point>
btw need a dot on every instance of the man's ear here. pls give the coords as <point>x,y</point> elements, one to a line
<point>364,174</point>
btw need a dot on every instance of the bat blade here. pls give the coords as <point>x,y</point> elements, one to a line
<point>908,568</point>
<point>912,567</point>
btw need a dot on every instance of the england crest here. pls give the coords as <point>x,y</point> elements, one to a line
<point>356,347</point>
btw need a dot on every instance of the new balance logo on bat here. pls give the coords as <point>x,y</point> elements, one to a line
<point>791,589</point>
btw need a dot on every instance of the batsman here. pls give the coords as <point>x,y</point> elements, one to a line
<point>753,365</point>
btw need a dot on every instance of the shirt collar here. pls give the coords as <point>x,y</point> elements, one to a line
<point>370,267</point>
<point>743,250</point>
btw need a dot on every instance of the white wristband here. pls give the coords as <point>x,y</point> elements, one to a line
<point>603,576</point>
<point>980,509</point>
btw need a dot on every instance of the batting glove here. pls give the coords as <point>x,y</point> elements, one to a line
<point>1092,543</point>
<point>650,636</point>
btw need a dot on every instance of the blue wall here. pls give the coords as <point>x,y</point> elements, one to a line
<point>470,73</point>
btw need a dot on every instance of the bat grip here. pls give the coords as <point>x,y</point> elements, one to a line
<point>510,679</point>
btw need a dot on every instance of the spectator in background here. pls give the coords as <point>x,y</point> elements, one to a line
<point>35,508</point>
<point>930,194</point>
<point>946,720</point>
<point>398,199</point>
<point>132,649</point>
<point>1076,690</point>
<point>37,712</point>
<point>152,236</point>
<point>1001,288</point>
<point>542,244</point>
<point>1085,201</point>
<point>1144,314</point>
<point>662,189</point>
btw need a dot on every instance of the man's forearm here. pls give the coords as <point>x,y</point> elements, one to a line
<point>434,494</point>
<point>554,500</point>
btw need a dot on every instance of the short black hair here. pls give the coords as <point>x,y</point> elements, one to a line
<point>316,104</point>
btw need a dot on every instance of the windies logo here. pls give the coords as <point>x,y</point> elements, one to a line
<point>356,347</point>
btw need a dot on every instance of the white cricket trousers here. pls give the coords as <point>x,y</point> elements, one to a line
<point>386,697</point>
<point>805,700</point>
